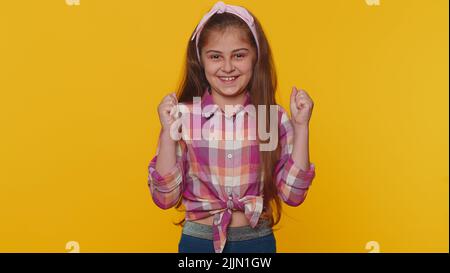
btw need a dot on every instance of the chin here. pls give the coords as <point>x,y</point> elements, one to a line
<point>230,92</point>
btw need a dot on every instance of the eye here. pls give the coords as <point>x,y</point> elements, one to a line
<point>214,57</point>
<point>239,55</point>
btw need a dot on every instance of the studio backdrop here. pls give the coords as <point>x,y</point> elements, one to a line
<point>80,82</point>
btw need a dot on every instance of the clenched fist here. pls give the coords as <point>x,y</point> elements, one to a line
<point>167,111</point>
<point>301,107</point>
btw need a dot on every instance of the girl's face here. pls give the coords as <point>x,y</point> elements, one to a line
<point>228,60</point>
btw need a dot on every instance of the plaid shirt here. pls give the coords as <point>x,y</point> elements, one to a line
<point>215,177</point>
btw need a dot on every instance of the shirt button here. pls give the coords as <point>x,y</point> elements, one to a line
<point>229,155</point>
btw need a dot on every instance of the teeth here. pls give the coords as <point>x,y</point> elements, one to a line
<point>228,78</point>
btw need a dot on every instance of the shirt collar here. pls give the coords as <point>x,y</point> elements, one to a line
<point>209,107</point>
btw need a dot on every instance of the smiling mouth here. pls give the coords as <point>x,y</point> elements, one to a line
<point>228,79</point>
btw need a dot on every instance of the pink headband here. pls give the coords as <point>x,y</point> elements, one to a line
<point>221,7</point>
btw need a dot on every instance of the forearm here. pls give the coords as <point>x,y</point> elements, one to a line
<point>167,153</point>
<point>300,152</point>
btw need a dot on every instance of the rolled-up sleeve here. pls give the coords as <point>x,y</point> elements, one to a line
<point>167,189</point>
<point>292,182</point>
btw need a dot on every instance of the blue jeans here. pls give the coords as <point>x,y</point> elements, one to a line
<point>191,244</point>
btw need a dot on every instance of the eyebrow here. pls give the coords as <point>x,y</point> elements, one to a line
<point>212,50</point>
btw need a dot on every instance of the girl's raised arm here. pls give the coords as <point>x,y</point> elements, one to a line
<point>167,168</point>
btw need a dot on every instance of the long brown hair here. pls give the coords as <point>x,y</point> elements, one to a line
<point>261,88</point>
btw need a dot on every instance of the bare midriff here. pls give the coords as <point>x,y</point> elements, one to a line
<point>238,219</point>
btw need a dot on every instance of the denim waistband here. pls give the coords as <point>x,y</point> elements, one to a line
<point>233,233</point>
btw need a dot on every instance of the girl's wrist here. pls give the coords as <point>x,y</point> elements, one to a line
<point>166,137</point>
<point>301,128</point>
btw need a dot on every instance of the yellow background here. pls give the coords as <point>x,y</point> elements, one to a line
<point>80,86</point>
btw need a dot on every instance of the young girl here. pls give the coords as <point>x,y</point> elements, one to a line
<point>231,188</point>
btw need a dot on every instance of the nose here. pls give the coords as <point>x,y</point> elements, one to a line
<point>228,66</point>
